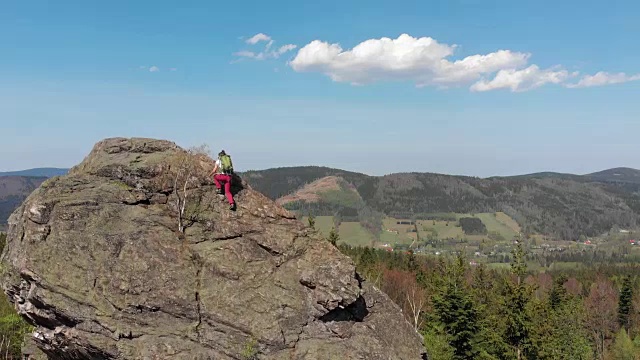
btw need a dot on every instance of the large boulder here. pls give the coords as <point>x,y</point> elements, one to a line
<point>95,260</point>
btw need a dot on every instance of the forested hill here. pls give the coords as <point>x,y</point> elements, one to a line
<point>562,205</point>
<point>278,182</point>
<point>37,172</point>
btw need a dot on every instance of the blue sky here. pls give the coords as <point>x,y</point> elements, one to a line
<point>463,87</point>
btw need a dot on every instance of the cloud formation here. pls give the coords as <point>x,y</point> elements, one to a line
<point>155,68</point>
<point>266,52</point>
<point>152,68</point>
<point>603,78</point>
<point>522,80</point>
<point>426,62</point>
<point>257,38</point>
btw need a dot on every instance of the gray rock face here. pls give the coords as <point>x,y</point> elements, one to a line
<point>95,261</point>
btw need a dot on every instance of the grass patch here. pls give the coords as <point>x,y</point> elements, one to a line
<point>398,233</point>
<point>323,223</point>
<point>345,198</point>
<point>388,238</point>
<point>395,234</point>
<point>493,224</point>
<point>443,229</point>
<point>354,234</point>
<point>508,221</point>
<point>351,233</point>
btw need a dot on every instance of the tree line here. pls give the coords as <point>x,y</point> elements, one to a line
<point>469,311</point>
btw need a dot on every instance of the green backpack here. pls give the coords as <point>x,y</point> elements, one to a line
<point>226,164</point>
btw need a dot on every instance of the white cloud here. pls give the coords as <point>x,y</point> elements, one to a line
<point>267,52</point>
<point>522,80</point>
<point>249,54</point>
<point>173,69</point>
<point>285,48</point>
<point>426,62</point>
<point>257,38</point>
<point>421,60</point>
<point>603,78</point>
<point>154,69</point>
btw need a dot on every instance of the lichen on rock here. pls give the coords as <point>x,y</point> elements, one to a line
<point>95,260</point>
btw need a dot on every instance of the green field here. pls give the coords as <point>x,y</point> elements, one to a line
<point>508,221</point>
<point>351,233</point>
<point>389,238</point>
<point>354,234</point>
<point>323,224</point>
<point>396,234</point>
<point>499,224</point>
<point>444,229</point>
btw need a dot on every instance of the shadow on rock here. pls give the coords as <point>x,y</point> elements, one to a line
<point>237,184</point>
<point>356,311</point>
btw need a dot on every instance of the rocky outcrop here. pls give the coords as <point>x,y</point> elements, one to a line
<point>95,261</point>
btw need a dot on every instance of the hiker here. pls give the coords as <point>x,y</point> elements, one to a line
<point>223,170</point>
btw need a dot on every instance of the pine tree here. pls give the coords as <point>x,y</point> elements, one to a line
<point>517,297</point>
<point>558,294</point>
<point>366,258</point>
<point>366,265</point>
<point>412,264</point>
<point>457,312</point>
<point>624,302</point>
<point>482,284</point>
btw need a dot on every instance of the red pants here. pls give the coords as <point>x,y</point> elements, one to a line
<point>226,179</point>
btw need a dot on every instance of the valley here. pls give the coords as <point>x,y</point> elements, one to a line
<point>561,218</point>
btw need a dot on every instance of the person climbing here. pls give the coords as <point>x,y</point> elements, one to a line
<point>223,170</point>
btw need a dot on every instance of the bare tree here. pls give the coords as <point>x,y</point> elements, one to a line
<point>416,298</point>
<point>186,173</point>
<point>403,288</point>
<point>601,305</point>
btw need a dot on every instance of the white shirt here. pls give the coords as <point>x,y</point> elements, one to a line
<point>219,164</point>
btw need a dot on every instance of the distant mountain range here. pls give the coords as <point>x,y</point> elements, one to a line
<point>39,172</point>
<point>13,190</point>
<point>561,205</point>
<point>617,175</point>
<point>15,186</point>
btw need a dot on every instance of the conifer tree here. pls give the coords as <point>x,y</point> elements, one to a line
<point>412,264</point>
<point>624,302</point>
<point>457,312</point>
<point>517,297</point>
<point>558,295</point>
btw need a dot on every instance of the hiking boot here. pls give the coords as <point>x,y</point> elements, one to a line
<point>232,207</point>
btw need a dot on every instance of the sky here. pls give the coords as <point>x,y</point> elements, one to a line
<point>465,87</point>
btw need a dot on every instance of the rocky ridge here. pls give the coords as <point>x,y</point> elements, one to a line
<point>95,261</point>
